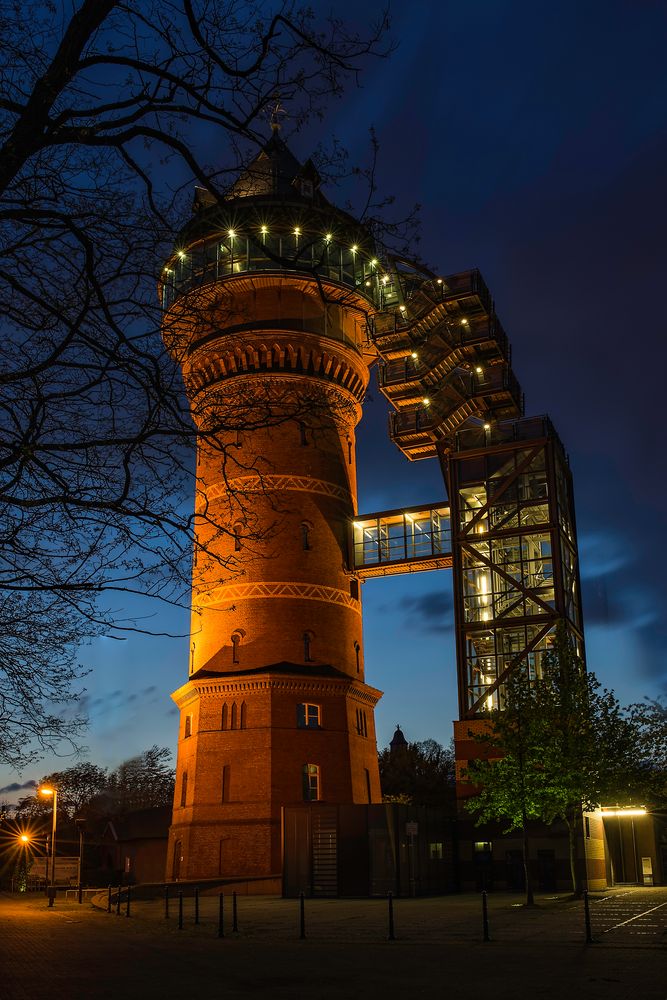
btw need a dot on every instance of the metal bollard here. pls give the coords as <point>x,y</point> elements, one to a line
<point>180,911</point>
<point>390,901</point>
<point>587,918</point>
<point>109,901</point>
<point>235,915</point>
<point>118,901</point>
<point>166,902</point>
<point>302,916</point>
<point>196,904</point>
<point>127,903</point>
<point>485,916</point>
<point>221,915</point>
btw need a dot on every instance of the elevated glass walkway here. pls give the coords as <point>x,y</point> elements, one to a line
<point>410,540</point>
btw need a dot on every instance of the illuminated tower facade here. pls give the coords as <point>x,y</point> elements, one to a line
<point>266,302</point>
<point>275,307</point>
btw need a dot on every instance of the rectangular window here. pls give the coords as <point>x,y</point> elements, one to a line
<point>311,782</point>
<point>225,782</point>
<point>308,716</point>
<point>435,852</point>
<point>184,788</point>
<point>587,827</point>
<point>188,727</point>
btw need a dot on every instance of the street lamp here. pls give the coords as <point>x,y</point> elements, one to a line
<point>46,790</point>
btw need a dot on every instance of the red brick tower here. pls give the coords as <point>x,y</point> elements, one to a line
<point>266,304</point>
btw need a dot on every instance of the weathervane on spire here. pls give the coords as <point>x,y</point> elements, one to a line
<point>276,110</point>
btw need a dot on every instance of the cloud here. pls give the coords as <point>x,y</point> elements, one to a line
<point>433,610</point>
<point>16,787</point>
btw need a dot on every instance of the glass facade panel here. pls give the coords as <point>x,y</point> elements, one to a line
<point>398,537</point>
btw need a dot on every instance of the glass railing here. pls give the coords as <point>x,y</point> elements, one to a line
<point>223,258</point>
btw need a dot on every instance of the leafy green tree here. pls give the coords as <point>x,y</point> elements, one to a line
<point>418,772</point>
<point>509,774</point>
<point>559,745</point>
<point>143,781</point>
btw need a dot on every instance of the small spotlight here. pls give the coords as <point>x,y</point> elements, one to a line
<point>487,427</point>
<point>297,231</point>
<point>478,370</point>
<point>374,262</point>
<point>328,237</point>
<point>368,284</point>
<point>181,254</point>
<point>439,281</point>
<point>354,248</point>
<point>414,355</point>
<point>231,234</point>
<point>464,322</point>
<point>402,308</point>
<point>264,230</point>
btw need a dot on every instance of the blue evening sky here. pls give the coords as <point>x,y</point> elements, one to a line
<point>535,138</point>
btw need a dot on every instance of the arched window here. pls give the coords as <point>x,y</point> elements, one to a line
<point>187,728</point>
<point>349,451</point>
<point>238,528</point>
<point>236,644</point>
<point>244,715</point>
<point>308,647</point>
<point>224,722</point>
<point>306,529</point>
<point>234,716</point>
<point>357,653</point>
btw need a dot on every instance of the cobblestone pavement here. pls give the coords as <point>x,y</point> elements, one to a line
<point>78,952</point>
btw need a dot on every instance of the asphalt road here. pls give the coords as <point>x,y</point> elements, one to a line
<point>78,952</point>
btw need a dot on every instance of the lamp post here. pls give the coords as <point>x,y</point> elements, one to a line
<point>46,790</point>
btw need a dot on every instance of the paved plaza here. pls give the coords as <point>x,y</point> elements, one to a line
<point>78,951</point>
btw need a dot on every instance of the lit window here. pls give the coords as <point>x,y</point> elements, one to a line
<point>435,852</point>
<point>310,774</point>
<point>308,716</point>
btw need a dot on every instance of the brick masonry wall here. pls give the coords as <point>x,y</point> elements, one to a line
<point>276,492</point>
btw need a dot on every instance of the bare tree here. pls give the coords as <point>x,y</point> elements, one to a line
<point>107,114</point>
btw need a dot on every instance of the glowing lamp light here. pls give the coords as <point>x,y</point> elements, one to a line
<point>46,791</point>
<point>24,838</point>
<point>439,281</point>
<point>231,233</point>
<point>402,308</point>
<point>640,811</point>
<point>264,230</point>
<point>368,284</point>
<point>385,279</point>
<point>297,231</point>
<point>374,262</point>
<point>478,369</point>
<point>328,237</point>
<point>487,427</point>
<point>464,322</point>
<point>181,254</point>
<point>414,355</point>
<point>354,248</point>
<point>426,401</point>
